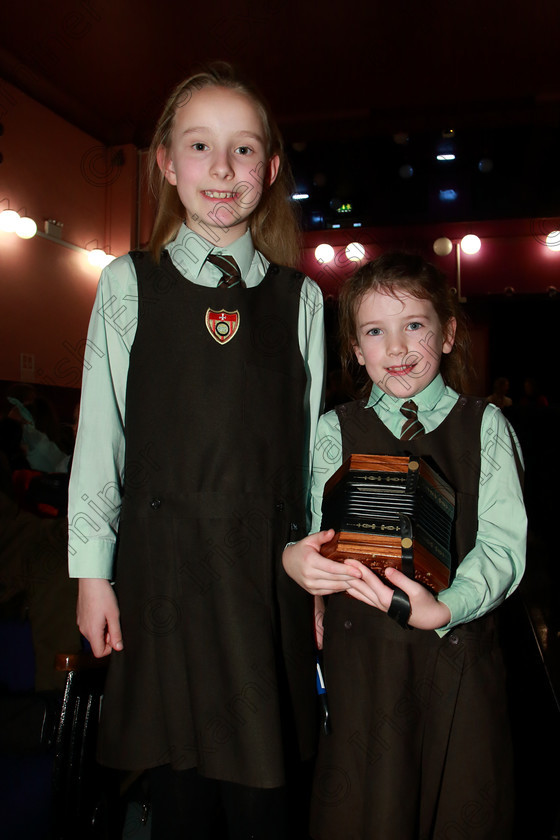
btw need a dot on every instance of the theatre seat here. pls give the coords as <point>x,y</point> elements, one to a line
<point>84,794</point>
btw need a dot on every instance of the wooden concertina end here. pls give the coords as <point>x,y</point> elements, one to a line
<point>391,511</point>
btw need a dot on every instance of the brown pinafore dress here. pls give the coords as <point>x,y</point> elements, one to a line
<point>420,745</point>
<point>218,665</point>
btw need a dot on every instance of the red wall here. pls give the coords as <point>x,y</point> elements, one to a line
<point>51,170</point>
<point>513,262</point>
<point>513,254</point>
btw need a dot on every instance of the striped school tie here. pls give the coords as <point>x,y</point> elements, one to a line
<point>231,276</point>
<point>412,427</point>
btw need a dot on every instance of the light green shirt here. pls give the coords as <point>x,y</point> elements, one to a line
<point>494,567</point>
<point>98,463</point>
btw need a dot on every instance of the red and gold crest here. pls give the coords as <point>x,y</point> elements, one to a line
<point>222,325</point>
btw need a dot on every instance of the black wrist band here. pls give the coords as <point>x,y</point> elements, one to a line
<point>400,608</point>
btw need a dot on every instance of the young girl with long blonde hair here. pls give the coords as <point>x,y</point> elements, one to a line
<point>191,470</point>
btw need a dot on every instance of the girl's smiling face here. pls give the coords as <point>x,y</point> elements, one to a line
<point>217,160</point>
<point>400,341</point>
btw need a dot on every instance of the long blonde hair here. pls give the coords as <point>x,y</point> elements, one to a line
<point>273,224</point>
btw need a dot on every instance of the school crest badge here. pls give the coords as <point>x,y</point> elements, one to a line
<point>222,325</point>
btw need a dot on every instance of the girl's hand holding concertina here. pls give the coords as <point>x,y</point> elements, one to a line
<point>427,613</point>
<point>315,573</point>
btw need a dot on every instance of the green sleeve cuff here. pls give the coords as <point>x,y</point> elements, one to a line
<point>92,559</point>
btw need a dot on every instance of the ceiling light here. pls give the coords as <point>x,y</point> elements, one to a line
<point>443,246</point>
<point>97,257</point>
<point>324,253</point>
<point>553,240</point>
<point>9,220</point>
<point>26,228</point>
<point>445,149</point>
<point>470,244</point>
<point>355,251</point>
